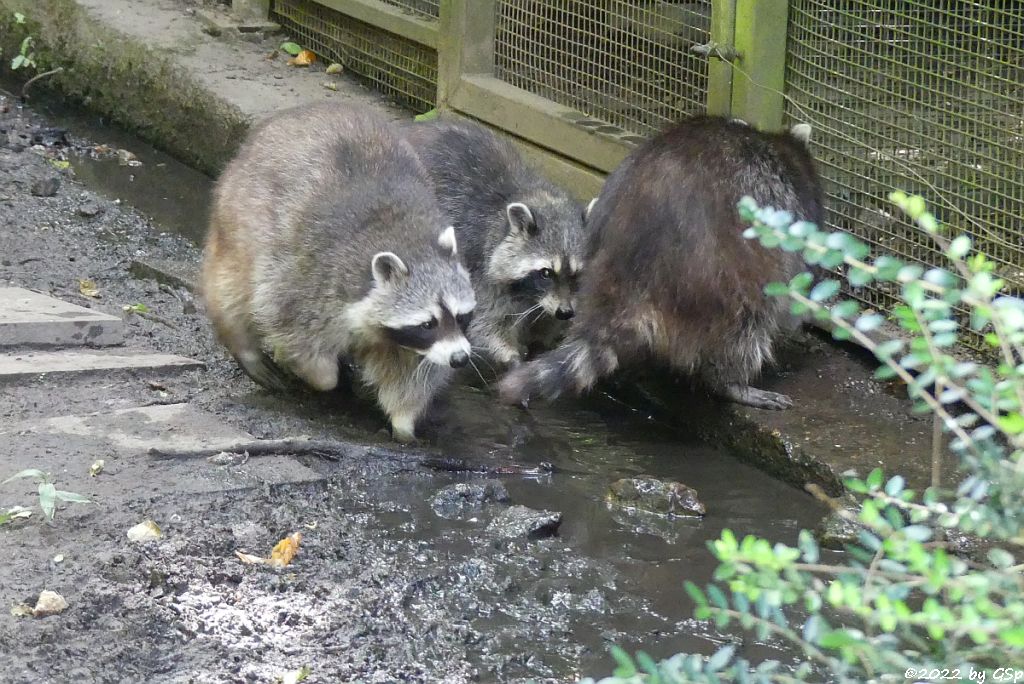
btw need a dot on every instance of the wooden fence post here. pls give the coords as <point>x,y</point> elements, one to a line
<point>758,83</point>
<point>465,45</point>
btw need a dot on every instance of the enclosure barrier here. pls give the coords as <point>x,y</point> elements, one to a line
<point>902,94</point>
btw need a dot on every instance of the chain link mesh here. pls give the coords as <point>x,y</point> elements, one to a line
<point>396,66</point>
<point>625,62</point>
<point>917,96</point>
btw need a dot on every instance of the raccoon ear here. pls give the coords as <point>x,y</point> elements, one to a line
<point>801,132</point>
<point>447,240</point>
<point>520,219</point>
<point>388,268</point>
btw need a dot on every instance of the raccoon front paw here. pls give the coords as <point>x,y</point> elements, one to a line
<point>762,399</point>
<point>514,388</point>
<point>403,428</point>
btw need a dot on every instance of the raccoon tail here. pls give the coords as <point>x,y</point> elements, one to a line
<point>574,367</point>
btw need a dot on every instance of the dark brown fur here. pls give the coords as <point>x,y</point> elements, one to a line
<point>670,276</point>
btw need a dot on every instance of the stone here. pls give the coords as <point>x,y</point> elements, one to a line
<point>651,495</point>
<point>32,319</point>
<point>46,187</point>
<point>28,364</point>
<point>522,522</point>
<point>464,498</point>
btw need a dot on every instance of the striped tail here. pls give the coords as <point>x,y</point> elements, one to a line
<point>573,367</point>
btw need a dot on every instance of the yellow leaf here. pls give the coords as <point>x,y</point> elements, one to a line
<point>330,85</point>
<point>250,559</point>
<point>97,467</point>
<point>304,58</point>
<point>88,288</point>
<point>285,550</point>
<point>335,68</point>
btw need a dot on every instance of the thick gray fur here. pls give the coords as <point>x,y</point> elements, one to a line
<point>477,176</point>
<point>324,234</point>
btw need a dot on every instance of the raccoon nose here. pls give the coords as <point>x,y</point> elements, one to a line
<point>564,314</point>
<point>459,359</point>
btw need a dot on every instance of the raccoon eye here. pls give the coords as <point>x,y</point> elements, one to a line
<point>463,320</point>
<point>547,273</point>
<point>429,325</point>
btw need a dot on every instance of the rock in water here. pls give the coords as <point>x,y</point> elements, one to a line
<point>520,521</point>
<point>649,494</point>
<point>463,497</point>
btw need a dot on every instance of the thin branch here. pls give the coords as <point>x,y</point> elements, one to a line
<point>24,88</point>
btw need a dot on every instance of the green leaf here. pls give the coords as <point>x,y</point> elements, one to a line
<point>646,662</point>
<point>874,480</point>
<point>720,659</point>
<point>869,322</point>
<point>695,593</point>
<point>48,499</point>
<point>894,486</point>
<point>1000,558</point>
<point>837,638</point>
<point>858,277</point>
<point>13,513</point>
<point>1012,423</point>
<point>426,116</point>
<point>71,497</point>
<point>1013,636</point>
<point>291,48</point>
<point>776,289</point>
<point>30,472</point>
<point>826,289</point>
<point>919,533</point>
<point>626,668</point>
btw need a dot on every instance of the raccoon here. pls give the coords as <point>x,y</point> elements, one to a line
<point>522,236</point>
<point>326,242</point>
<point>669,275</point>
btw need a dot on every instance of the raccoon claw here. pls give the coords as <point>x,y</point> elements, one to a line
<point>264,372</point>
<point>761,399</point>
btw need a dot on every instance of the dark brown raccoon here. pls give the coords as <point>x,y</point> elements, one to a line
<point>670,276</point>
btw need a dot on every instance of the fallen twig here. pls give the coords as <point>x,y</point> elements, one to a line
<point>461,465</point>
<point>24,88</point>
<point>265,447</point>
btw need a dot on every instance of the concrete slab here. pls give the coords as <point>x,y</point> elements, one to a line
<point>66,446</point>
<point>33,319</point>
<point>27,364</point>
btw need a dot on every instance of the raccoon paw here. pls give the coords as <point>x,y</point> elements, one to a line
<point>514,388</point>
<point>263,371</point>
<point>762,399</point>
<point>403,429</point>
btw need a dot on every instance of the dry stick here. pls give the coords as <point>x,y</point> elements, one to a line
<point>937,443</point>
<point>264,447</point>
<point>51,72</point>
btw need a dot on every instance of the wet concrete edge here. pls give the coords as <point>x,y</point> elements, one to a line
<point>140,88</point>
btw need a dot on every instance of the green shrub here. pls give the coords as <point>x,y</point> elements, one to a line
<point>905,603</point>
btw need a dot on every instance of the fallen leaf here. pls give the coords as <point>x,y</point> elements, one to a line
<point>285,550</point>
<point>310,525</point>
<point>147,530</point>
<point>59,558</point>
<point>60,164</point>
<point>330,85</point>
<point>295,676</point>
<point>14,513</point>
<point>291,48</point>
<point>250,559</point>
<point>88,288</point>
<point>125,158</point>
<point>282,554</point>
<point>304,58</point>
<point>335,68</point>
<point>426,116</point>
<point>49,603</point>
<point>136,308</point>
<point>21,610</point>
<point>271,55</point>
<point>155,385</point>
<point>97,467</point>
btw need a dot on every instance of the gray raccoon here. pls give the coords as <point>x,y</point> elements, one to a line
<point>326,242</point>
<point>521,235</point>
<point>670,277</point>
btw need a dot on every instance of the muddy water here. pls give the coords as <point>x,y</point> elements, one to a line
<point>635,564</point>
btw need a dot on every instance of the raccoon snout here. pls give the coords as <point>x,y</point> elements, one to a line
<point>564,314</point>
<point>458,359</point>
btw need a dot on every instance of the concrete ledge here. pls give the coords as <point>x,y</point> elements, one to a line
<point>17,366</point>
<point>32,319</point>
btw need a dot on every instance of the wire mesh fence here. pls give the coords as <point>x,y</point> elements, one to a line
<point>625,62</point>
<point>918,96</point>
<point>423,8</point>
<point>396,66</point>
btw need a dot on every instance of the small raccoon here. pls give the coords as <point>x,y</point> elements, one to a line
<point>669,275</point>
<point>325,242</point>
<point>522,237</point>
